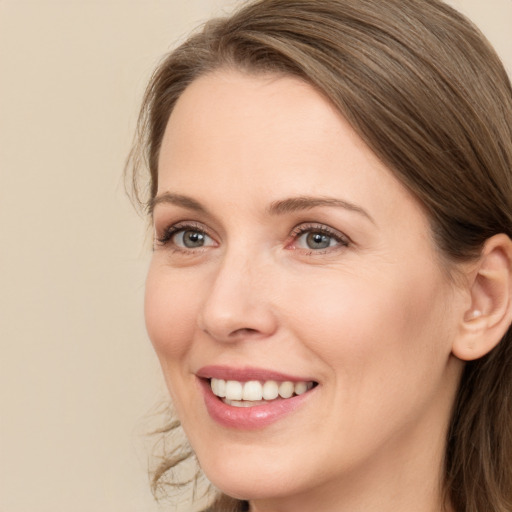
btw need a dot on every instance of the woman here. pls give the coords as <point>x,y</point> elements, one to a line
<point>330,289</point>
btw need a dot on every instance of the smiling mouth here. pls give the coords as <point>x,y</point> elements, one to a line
<point>255,392</point>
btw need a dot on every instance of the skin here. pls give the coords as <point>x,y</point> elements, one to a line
<point>372,318</point>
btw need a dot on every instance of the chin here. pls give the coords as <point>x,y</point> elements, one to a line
<point>251,485</point>
<point>253,475</point>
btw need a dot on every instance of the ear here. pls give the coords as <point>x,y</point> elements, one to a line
<point>489,315</point>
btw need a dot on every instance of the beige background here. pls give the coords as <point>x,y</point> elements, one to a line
<point>77,374</point>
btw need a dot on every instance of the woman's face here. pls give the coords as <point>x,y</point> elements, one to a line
<point>287,252</point>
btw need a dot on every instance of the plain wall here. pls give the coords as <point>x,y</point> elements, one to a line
<point>77,373</point>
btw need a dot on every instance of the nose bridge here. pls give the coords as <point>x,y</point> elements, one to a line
<point>238,302</point>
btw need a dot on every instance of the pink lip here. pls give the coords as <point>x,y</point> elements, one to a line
<point>247,418</point>
<point>245,374</point>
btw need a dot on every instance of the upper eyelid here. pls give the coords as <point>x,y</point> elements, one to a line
<point>165,234</point>
<point>171,229</point>
<point>183,224</point>
<point>321,227</point>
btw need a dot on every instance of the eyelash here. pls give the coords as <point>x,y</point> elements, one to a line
<point>169,232</point>
<point>342,240</point>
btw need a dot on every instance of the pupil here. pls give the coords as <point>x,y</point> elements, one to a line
<point>193,239</point>
<point>318,241</point>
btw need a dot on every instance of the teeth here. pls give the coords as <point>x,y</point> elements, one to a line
<point>286,389</point>
<point>242,403</point>
<point>253,392</point>
<point>300,388</point>
<point>270,390</point>
<point>221,388</point>
<point>234,390</point>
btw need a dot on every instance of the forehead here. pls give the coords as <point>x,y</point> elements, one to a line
<point>257,137</point>
<point>231,112</point>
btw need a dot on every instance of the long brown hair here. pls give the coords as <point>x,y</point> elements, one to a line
<point>424,89</point>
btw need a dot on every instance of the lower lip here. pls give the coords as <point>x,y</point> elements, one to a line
<point>249,418</point>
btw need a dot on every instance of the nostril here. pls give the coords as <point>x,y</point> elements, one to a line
<point>245,331</point>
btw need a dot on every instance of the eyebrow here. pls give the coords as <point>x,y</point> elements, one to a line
<point>280,207</point>
<point>178,200</point>
<point>300,203</point>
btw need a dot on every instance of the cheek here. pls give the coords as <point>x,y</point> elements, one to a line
<point>386,345</point>
<point>355,322</point>
<point>170,315</point>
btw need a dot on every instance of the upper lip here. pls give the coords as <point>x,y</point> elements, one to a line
<point>246,373</point>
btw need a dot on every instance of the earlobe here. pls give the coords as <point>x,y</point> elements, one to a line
<point>489,316</point>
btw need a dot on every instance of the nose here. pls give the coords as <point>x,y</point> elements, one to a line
<point>238,303</point>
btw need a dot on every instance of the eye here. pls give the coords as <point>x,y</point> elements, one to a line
<point>186,237</point>
<point>191,239</point>
<point>317,238</point>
